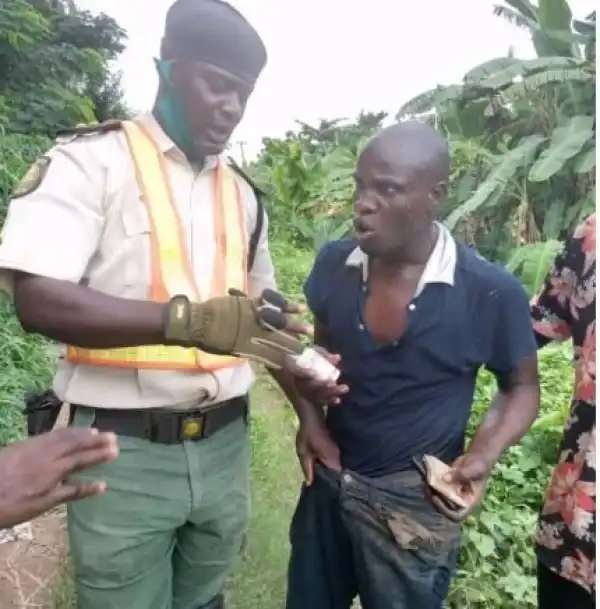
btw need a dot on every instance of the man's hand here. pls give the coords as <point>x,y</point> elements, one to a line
<point>311,388</point>
<point>314,445</point>
<point>469,474</point>
<point>34,471</point>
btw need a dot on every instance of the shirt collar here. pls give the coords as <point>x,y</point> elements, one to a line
<point>166,144</point>
<point>440,266</point>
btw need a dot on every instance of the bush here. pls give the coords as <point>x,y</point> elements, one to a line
<point>27,364</point>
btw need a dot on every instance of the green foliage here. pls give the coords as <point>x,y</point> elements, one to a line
<point>55,66</point>
<point>308,179</point>
<point>536,121</point>
<point>26,363</point>
<point>531,262</point>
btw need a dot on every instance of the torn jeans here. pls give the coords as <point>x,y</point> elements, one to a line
<point>379,539</point>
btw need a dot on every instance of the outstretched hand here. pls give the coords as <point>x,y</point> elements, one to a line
<point>35,471</point>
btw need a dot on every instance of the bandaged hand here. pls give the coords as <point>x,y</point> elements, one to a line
<point>260,329</point>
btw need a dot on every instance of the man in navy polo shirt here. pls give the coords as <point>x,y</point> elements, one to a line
<point>413,315</point>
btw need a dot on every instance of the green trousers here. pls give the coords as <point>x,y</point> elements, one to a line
<point>168,529</point>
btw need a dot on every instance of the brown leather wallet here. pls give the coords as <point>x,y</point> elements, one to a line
<point>433,471</point>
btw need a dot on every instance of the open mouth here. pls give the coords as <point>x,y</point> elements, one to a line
<point>362,228</point>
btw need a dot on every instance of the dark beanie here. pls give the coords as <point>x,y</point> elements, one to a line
<point>215,32</point>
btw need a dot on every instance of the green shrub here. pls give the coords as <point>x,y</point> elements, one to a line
<point>27,364</point>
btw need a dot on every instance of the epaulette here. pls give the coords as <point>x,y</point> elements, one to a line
<point>72,133</point>
<point>246,177</point>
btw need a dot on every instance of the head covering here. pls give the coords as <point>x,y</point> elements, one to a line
<point>215,32</point>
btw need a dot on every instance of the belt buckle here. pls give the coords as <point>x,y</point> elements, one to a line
<point>192,428</point>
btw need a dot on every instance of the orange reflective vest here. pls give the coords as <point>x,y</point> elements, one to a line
<point>171,271</point>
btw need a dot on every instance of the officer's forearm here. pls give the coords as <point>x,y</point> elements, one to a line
<point>82,317</point>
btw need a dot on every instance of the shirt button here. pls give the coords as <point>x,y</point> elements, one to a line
<point>412,307</point>
<point>347,478</point>
<point>361,327</point>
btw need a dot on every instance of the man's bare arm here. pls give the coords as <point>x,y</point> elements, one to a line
<point>511,414</point>
<point>79,316</point>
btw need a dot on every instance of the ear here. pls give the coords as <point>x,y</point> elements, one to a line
<point>439,192</point>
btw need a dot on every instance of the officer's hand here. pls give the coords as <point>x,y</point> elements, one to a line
<point>34,471</point>
<point>313,389</point>
<point>469,474</point>
<point>314,445</point>
<point>258,329</point>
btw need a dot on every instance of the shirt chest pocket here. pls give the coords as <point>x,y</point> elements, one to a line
<point>136,245</point>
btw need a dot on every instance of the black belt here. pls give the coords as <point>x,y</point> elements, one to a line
<point>170,427</point>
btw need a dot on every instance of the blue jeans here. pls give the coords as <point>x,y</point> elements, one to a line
<point>379,539</point>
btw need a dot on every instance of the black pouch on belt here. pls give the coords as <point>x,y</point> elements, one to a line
<point>41,411</point>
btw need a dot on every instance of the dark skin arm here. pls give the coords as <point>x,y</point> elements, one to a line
<point>508,419</point>
<point>83,317</point>
<point>511,414</point>
<point>307,395</point>
<point>310,390</point>
<point>295,383</point>
<point>79,316</point>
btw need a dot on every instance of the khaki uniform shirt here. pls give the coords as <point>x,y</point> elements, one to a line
<point>86,222</point>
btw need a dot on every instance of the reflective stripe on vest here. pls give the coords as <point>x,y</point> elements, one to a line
<point>171,271</point>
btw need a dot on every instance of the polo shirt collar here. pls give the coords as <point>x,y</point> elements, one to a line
<point>440,266</point>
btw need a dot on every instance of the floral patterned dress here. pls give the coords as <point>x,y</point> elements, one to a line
<point>566,308</point>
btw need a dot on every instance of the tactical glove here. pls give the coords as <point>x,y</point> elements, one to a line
<point>234,325</point>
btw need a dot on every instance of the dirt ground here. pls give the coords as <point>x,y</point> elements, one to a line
<point>30,568</point>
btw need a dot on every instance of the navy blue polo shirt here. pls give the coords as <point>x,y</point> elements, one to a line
<point>414,397</point>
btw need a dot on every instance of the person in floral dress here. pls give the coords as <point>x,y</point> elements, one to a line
<point>566,534</point>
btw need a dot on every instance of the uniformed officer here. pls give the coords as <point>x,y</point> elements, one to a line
<point>143,220</point>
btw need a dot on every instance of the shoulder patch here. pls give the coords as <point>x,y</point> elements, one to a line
<point>33,178</point>
<point>68,135</point>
